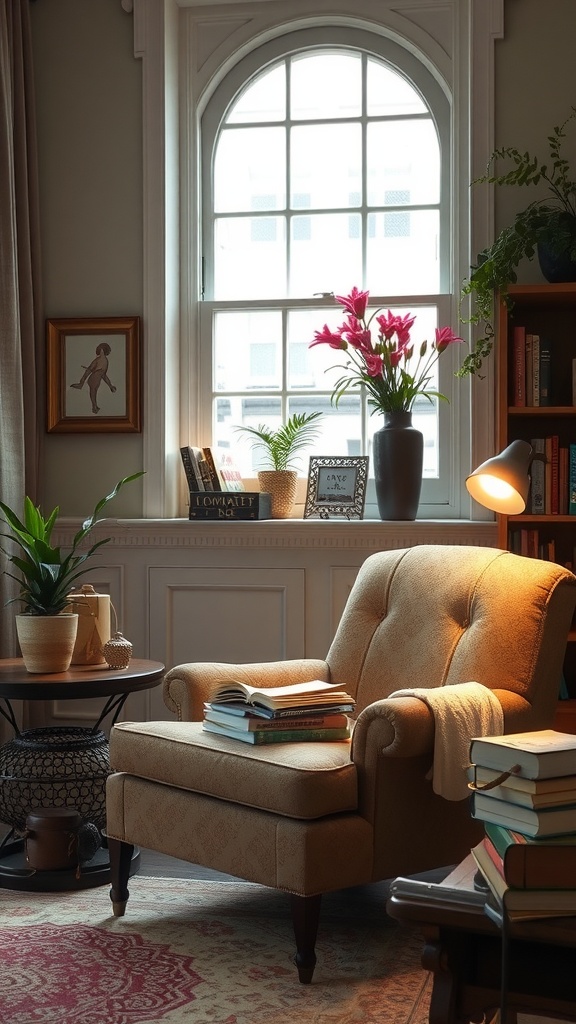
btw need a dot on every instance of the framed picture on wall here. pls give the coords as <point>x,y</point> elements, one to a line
<point>93,370</point>
<point>336,486</point>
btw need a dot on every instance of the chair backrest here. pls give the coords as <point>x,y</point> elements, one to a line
<point>433,615</point>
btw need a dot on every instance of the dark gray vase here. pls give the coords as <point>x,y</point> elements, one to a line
<point>398,454</point>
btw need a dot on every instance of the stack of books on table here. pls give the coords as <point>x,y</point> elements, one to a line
<point>527,856</point>
<point>312,711</point>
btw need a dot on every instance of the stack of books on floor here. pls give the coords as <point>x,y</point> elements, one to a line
<point>313,711</point>
<point>527,857</point>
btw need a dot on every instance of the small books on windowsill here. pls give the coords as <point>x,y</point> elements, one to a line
<point>314,694</point>
<point>529,755</point>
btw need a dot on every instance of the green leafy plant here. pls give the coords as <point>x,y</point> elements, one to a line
<point>549,222</point>
<point>282,446</point>
<point>46,573</point>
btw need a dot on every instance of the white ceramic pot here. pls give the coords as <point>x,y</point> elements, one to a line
<point>47,641</point>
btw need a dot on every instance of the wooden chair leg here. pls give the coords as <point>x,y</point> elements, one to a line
<point>305,918</point>
<point>120,861</point>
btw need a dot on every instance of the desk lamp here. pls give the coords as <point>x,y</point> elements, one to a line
<point>502,482</point>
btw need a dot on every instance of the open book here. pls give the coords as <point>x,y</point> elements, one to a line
<point>313,695</point>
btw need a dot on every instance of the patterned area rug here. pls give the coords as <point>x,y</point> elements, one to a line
<point>194,952</point>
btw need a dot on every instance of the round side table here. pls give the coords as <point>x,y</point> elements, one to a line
<point>63,766</point>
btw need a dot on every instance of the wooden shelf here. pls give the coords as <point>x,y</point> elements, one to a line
<point>547,310</point>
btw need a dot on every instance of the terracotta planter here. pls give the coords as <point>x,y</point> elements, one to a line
<point>281,484</point>
<point>47,641</point>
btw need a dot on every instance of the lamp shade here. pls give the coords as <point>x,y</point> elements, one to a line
<point>502,483</point>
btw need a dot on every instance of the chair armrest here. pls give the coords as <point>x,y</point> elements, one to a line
<point>187,687</point>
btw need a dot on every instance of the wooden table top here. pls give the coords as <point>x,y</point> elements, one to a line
<point>79,681</point>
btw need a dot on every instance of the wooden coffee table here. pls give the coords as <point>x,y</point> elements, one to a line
<point>462,949</point>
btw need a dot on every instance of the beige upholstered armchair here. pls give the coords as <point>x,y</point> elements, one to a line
<point>310,818</point>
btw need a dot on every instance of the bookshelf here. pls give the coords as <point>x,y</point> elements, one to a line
<point>548,312</point>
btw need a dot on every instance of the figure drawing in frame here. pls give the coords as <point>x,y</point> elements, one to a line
<point>95,373</point>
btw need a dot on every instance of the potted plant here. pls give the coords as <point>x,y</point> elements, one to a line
<point>282,449</point>
<point>546,228</point>
<point>46,576</point>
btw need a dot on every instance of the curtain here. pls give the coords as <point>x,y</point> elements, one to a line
<point>20,303</point>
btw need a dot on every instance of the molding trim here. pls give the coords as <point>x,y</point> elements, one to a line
<point>367,535</point>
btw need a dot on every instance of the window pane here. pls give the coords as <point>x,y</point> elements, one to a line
<point>247,350</point>
<point>249,257</point>
<point>264,100</point>
<point>389,93</point>
<point>325,165</point>
<point>339,428</point>
<point>329,257</point>
<point>326,85</point>
<point>403,155</point>
<point>250,170</point>
<point>252,412</point>
<point>403,252</point>
<point>317,368</point>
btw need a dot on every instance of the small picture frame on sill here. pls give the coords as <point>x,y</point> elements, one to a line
<point>93,370</point>
<point>336,487</point>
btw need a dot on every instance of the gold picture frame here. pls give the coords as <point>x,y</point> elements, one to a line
<point>93,371</point>
<point>336,486</point>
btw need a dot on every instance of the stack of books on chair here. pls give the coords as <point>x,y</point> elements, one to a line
<point>527,857</point>
<point>313,711</point>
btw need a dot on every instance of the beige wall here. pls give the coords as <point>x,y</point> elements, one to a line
<point>89,110</point>
<point>90,130</point>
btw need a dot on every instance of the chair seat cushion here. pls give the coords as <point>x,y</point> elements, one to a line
<point>297,780</point>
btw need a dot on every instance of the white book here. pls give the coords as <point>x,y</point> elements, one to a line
<point>541,754</point>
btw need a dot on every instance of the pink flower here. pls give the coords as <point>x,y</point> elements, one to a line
<point>328,337</point>
<point>391,324</point>
<point>354,303</point>
<point>356,334</point>
<point>374,364</point>
<point>388,368</point>
<point>445,336</point>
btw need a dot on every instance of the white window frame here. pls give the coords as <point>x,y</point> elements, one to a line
<point>188,45</point>
<point>438,498</point>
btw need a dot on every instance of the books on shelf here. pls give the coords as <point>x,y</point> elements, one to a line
<point>531,383</point>
<point>540,754</point>
<point>544,821</point>
<point>545,372</point>
<point>519,338</point>
<point>292,735</point>
<point>531,863</point>
<point>537,476</point>
<point>523,903</point>
<point>572,480</point>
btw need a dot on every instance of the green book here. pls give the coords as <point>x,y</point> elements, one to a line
<point>279,735</point>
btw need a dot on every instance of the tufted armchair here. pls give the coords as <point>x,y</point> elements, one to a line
<point>310,818</point>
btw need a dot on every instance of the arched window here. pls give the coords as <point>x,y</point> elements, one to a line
<point>203,62</point>
<point>325,164</point>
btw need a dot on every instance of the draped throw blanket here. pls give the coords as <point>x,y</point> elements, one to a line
<point>460,712</point>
